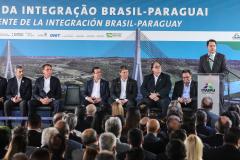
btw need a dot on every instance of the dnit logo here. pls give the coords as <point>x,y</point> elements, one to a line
<point>55,35</point>
<point>208,88</point>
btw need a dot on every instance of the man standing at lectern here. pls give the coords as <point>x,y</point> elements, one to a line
<point>214,62</point>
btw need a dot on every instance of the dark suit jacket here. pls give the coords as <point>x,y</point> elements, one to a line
<point>131,89</point>
<point>222,153</point>
<point>34,138</point>
<point>163,85</point>
<point>3,87</point>
<point>153,144</point>
<point>219,65</point>
<point>214,140</point>
<point>25,88</point>
<point>104,89</point>
<point>55,88</point>
<point>178,91</point>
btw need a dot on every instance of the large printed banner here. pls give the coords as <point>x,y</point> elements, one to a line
<point>76,35</point>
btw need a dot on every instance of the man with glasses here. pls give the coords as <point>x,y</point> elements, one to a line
<point>155,89</point>
<point>185,91</point>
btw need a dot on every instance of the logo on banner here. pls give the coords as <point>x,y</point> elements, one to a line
<point>236,36</point>
<point>112,35</point>
<point>208,89</point>
<point>54,35</point>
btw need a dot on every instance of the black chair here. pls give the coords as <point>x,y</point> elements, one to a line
<point>72,97</point>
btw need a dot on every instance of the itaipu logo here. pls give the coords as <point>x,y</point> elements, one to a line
<point>208,88</point>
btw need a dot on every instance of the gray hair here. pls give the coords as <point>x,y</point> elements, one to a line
<point>46,134</point>
<point>107,141</point>
<point>114,125</point>
<point>71,120</point>
<point>18,67</point>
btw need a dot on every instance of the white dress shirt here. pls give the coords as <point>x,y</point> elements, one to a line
<point>46,87</point>
<point>96,89</point>
<point>123,89</point>
<point>19,85</point>
<point>155,79</point>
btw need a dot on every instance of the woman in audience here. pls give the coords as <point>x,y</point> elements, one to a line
<point>17,144</point>
<point>40,154</point>
<point>194,147</point>
<point>118,111</point>
<point>57,146</point>
<point>90,153</point>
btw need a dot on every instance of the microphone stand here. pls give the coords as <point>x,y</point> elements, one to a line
<point>228,80</point>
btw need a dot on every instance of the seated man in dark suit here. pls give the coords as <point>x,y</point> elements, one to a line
<point>47,91</point>
<point>155,89</point>
<point>19,91</point>
<point>124,89</point>
<point>202,127</point>
<point>97,90</point>
<point>185,91</point>
<point>3,88</point>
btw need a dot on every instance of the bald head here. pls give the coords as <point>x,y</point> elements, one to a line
<point>58,116</point>
<point>91,109</point>
<point>153,126</point>
<point>62,127</point>
<point>89,136</point>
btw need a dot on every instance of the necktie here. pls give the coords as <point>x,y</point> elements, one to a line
<point>211,60</point>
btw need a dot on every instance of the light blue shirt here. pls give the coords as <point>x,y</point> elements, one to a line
<point>186,91</point>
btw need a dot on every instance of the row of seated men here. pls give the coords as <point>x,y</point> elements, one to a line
<point>155,90</point>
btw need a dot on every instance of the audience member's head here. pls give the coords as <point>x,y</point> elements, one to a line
<point>234,107</point>
<point>5,135</point>
<point>175,108</point>
<point>153,126</point>
<point>105,155</point>
<point>223,124</point>
<point>207,103</point>
<point>232,136</point>
<point>176,150</point>
<point>57,146</point>
<point>46,134</point>
<point>19,130</point>
<point>34,121</point>
<point>91,110</point>
<point>117,109</point>
<point>194,147</point>
<point>40,154</point>
<point>90,153</point>
<point>20,156</point>
<point>135,153</point>
<point>135,138</point>
<point>201,117</point>
<point>114,125</point>
<point>58,116</point>
<point>17,144</point>
<point>143,124</point>
<point>173,123</point>
<point>89,136</point>
<point>189,125</point>
<point>179,134</point>
<point>132,118</point>
<point>71,120</point>
<point>63,128</point>
<point>234,117</point>
<point>107,141</point>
